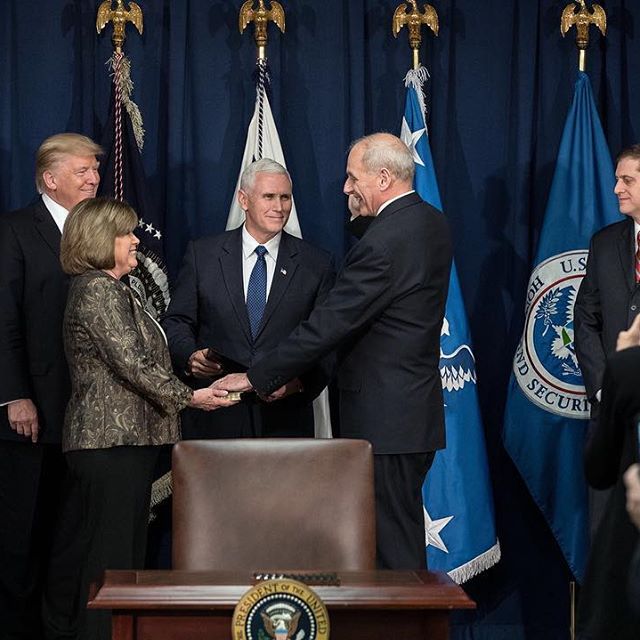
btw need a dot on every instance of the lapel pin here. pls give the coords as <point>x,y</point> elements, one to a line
<point>283,271</point>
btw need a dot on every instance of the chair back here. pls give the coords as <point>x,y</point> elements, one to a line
<point>273,504</point>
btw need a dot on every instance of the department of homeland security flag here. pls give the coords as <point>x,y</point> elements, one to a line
<point>460,531</point>
<point>547,408</point>
<point>263,142</point>
<point>122,177</point>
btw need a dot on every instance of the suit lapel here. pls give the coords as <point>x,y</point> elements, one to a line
<point>231,267</point>
<point>626,250</point>
<point>47,228</point>
<point>286,266</point>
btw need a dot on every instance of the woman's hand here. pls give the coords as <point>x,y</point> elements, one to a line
<point>210,399</point>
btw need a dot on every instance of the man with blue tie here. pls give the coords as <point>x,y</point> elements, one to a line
<point>239,293</point>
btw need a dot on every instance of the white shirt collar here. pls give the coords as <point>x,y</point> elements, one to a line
<point>57,211</point>
<point>249,244</point>
<point>388,202</point>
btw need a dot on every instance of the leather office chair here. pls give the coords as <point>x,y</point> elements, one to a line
<point>273,504</point>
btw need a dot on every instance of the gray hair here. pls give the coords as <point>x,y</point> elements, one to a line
<point>59,146</point>
<point>386,151</point>
<point>264,165</point>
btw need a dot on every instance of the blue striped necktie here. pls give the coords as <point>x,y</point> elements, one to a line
<point>257,290</point>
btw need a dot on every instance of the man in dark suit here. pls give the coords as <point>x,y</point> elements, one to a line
<point>384,316</point>
<point>611,448</point>
<point>632,483</point>
<point>607,303</point>
<point>609,297</point>
<point>34,381</point>
<point>210,309</point>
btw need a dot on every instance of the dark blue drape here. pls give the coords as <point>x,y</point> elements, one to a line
<point>501,84</point>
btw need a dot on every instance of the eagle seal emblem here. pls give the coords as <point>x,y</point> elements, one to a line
<point>280,610</point>
<point>545,364</point>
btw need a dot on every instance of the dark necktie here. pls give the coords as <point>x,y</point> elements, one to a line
<point>257,290</point>
<point>638,258</point>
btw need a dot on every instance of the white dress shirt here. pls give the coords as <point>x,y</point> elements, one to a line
<point>57,211</point>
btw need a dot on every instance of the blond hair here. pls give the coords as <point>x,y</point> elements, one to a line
<point>57,147</point>
<point>90,232</point>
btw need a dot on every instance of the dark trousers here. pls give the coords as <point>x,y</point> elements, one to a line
<point>104,526</point>
<point>30,490</point>
<point>399,516</point>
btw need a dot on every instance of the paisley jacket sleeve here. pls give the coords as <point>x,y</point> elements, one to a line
<point>107,312</point>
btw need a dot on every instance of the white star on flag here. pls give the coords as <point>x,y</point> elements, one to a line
<point>149,228</point>
<point>157,234</point>
<point>432,529</point>
<point>410,138</point>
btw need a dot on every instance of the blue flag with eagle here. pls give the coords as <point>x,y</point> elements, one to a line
<point>460,532</point>
<point>547,408</point>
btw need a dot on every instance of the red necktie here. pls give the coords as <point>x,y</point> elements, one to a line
<point>638,258</point>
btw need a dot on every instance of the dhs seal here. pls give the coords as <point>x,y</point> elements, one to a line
<point>282,610</point>
<point>545,365</point>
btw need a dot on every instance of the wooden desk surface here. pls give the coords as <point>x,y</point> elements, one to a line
<point>211,590</point>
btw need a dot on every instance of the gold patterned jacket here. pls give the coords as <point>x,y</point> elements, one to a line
<point>123,391</point>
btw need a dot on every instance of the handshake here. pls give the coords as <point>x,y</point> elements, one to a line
<point>237,383</point>
<point>207,363</point>
<point>234,384</point>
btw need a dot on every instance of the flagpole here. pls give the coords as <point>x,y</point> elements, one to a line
<point>122,177</point>
<point>120,16</point>
<point>582,19</point>
<point>414,20</point>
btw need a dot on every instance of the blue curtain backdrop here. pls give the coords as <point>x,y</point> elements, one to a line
<point>501,84</point>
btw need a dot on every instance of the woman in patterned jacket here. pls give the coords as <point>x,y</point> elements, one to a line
<point>124,405</point>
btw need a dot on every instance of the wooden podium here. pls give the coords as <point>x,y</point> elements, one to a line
<point>371,605</point>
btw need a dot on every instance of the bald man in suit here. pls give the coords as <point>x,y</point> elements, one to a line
<point>383,316</point>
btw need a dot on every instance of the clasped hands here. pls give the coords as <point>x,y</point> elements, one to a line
<point>239,382</point>
<point>201,366</point>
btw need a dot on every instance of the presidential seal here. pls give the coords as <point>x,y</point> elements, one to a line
<point>545,365</point>
<point>282,610</point>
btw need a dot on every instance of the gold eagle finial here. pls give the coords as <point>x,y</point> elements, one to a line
<point>119,16</point>
<point>582,18</point>
<point>414,19</point>
<point>261,17</point>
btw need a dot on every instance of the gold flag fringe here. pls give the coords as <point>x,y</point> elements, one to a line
<point>125,84</point>
<point>161,489</point>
